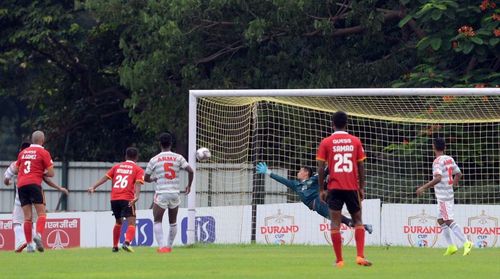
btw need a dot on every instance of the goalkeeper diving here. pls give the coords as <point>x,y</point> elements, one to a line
<point>307,188</point>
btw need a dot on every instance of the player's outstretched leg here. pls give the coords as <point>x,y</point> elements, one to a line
<point>446,231</point>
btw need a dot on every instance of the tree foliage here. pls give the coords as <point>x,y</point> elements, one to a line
<point>102,75</point>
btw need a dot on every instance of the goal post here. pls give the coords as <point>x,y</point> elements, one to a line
<point>283,128</point>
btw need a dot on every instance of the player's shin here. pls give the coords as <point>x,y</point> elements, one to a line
<point>19,234</point>
<point>116,234</point>
<point>171,235</point>
<point>158,229</point>
<point>28,231</point>
<point>337,244</point>
<point>129,236</point>
<point>40,224</point>
<point>359,236</point>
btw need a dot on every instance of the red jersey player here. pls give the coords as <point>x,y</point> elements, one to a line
<point>344,155</point>
<point>33,163</point>
<point>126,178</point>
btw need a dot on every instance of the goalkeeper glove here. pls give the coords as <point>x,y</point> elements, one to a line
<point>262,168</point>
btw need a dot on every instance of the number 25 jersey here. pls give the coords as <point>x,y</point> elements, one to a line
<point>342,152</point>
<point>124,176</point>
<point>165,168</point>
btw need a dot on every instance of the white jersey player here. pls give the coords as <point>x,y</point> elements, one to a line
<point>17,212</point>
<point>446,175</point>
<point>163,169</point>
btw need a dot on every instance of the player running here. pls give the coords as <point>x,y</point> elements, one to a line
<point>33,163</point>
<point>446,175</point>
<point>17,212</point>
<point>345,155</point>
<point>306,187</point>
<point>164,170</point>
<point>126,178</point>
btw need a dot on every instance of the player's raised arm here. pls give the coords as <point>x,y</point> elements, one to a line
<point>261,168</point>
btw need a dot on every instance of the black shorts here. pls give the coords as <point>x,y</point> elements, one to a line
<point>337,198</point>
<point>31,194</point>
<point>121,209</point>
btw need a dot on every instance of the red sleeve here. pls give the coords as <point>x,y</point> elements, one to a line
<point>111,172</point>
<point>47,160</point>
<point>361,151</point>
<point>139,176</point>
<point>322,153</point>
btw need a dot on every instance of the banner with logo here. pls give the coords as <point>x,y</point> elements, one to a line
<point>228,224</point>
<point>416,225</point>
<point>295,223</point>
<point>62,230</point>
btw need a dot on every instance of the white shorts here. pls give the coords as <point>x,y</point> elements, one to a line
<point>167,200</point>
<point>17,215</point>
<point>445,210</point>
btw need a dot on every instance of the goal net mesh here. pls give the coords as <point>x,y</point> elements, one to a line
<point>396,132</point>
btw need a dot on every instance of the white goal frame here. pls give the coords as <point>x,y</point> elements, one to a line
<point>195,94</point>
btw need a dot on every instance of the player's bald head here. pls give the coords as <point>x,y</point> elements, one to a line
<point>38,137</point>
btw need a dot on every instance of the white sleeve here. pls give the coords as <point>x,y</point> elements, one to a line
<point>182,162</point>
<point>11,171</point>
<point>437,168</point>
<point>456,169</point>
<point>150,167</point>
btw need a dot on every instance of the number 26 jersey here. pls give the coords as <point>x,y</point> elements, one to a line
<point>165,168</point>
<point>124,176</point>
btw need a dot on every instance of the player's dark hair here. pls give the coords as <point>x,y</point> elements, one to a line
<point>24,145</point>
<point>340,119</point>
<point>439,144</point>
<point>131,153</point>
<point>166,140</point>
<point>309,170</point>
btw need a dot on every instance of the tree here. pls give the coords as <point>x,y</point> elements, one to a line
<point>460,44</point>
<point>63,67</point>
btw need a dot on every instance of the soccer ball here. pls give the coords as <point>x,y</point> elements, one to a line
<point>203,154</point>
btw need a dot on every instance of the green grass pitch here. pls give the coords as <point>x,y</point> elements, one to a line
<point>250,261</point>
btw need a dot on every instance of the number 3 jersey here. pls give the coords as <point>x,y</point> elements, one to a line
<point>31,164</point>
<point>445,166</point>
<point>124,176</point>
<point>165,168</point>
<point>342,152</point>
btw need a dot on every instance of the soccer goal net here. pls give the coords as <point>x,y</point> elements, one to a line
<point>284,127</point>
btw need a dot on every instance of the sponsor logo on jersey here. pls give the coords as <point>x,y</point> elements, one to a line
<point>143,232</point>
<point>204,227</point>
<point>422,230</point>
<point>346,232</point>
<point>62,233</point>
<point>483,230</point>
<point>279,229</point>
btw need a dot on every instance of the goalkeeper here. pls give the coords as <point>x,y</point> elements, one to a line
<point>306,186</point>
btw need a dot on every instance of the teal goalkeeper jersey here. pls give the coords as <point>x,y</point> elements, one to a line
<point>307,189</point>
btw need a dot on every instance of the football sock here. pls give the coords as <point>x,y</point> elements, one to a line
<point>171,234</point>
<point>447,234</point>
<point>116,234</point>
<point>28,231</point>
<point>337,244</point>
<point>457,231</point>
<point>359,236</point>
<point>40,224</point>
<point>129,236</point>
<point>158,229</point>
<point>19,234</point>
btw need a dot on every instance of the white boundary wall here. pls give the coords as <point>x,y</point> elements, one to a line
<point>394,224</point>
